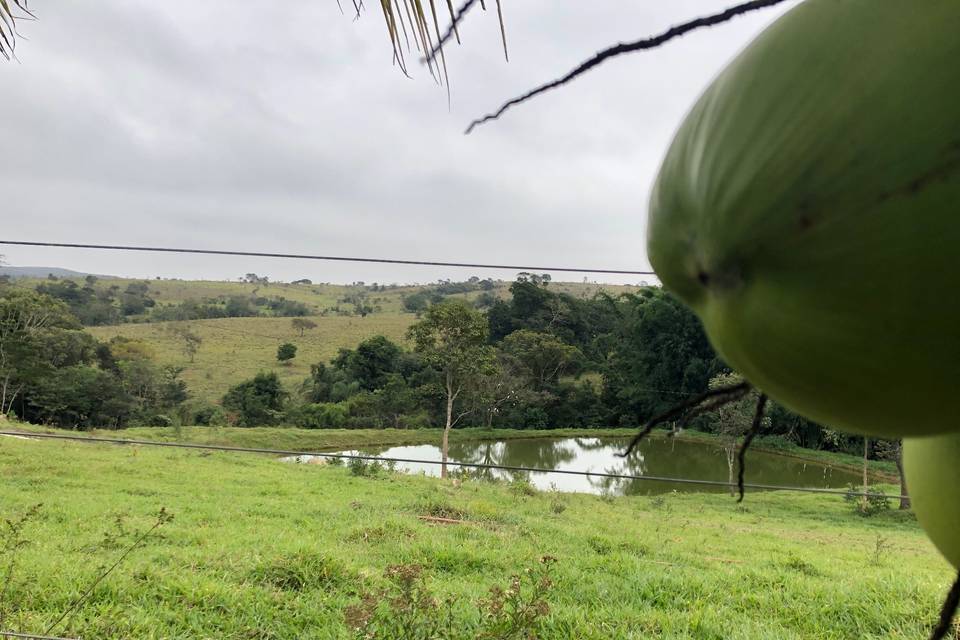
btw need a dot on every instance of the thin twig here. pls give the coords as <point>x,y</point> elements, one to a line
<point>947,613</point>
<point>755,430</point>
<point>630,47</point>
<point>451,30</point>
<point>681,409</point>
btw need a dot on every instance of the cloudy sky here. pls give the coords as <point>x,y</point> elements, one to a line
<point>283,127</point>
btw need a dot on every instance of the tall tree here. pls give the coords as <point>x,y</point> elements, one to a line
<point>733,420</point>
<point>28,321</point>
<point>452,337</point>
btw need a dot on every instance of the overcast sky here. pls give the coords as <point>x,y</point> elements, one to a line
<point>283,127</point>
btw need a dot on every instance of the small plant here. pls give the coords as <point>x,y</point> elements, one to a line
<point>867,503</point>
<point>13,540</point>
<point>366,468</point>
<point>600,546</point>
<point>521,486</point>
<point>404,608</point>
<point>516,612</point>
<point>557,507</point>
<point>881,547</point>
<point>299,571</point>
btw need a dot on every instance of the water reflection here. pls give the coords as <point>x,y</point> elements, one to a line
<point>659,457</point>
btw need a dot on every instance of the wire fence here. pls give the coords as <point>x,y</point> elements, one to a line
<point>30,636</point>
<point>302,256</point>
<point>450,463</point>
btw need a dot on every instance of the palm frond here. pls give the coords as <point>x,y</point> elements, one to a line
<point>10,12</point>
<point>423,19</point>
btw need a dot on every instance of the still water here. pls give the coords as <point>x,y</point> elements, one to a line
<point>662,457</point>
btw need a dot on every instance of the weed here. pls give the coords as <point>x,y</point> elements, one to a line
<point>881,547</point>
<point>795,563</point>
<point>13,540</point>
<point>601,546</point>
<point>300,571</point>
<point>404,608</point>
<point>438,508</point>
<point>516,612</point>
<point>521,486</point>
<point>557,507</point>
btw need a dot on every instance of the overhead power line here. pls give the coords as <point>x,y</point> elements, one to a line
<point>302,256</point>
<point>467,465</point>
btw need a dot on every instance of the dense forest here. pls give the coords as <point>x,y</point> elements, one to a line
<point>539,359</point>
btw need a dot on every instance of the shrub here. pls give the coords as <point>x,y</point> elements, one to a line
<point>321,415</point>
<point>869,504</point>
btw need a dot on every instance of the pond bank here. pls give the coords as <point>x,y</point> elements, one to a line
<point>296,439</point>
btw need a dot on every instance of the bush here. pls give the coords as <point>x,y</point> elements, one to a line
<point>321,415</point>
<point>208,415</point>
<point>257,402</point>
<point>874,502</point>
<point>286,352</point>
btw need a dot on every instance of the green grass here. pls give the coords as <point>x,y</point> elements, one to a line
<point>262,549</point>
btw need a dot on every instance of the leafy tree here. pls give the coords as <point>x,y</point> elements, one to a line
<point>286,352</point>
<point>370,363</point>
<point>733,420</point>
<point>661,351</point>
<point>302,324</point>
<point>544,357</point>
<point>190,341</point>
<point>29,322</point>
<point>257,402</point>
<point>452,338</point>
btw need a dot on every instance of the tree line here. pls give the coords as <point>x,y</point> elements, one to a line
<point>540,359</point>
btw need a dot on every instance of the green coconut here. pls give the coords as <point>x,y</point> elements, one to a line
<point>808,210</point>
<point>933,479</point>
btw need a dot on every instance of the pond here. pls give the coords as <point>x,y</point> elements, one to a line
<point>659,457</point>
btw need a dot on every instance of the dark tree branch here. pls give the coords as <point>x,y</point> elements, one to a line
<point>630,47</point>
<point>755,429</point>
<point>949,610</point>
<point>451,31</point>
<point>722,395</point>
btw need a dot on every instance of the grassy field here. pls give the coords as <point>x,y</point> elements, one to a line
<point>235,349</point>
<point>262,549</point>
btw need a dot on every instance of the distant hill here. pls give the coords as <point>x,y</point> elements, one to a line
<point>43,272</point>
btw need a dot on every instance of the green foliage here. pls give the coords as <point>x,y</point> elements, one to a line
<point>662,353</point>
<point>59,375</point>
<point>868,503</point>
<point>370,363</point>
<point>321,415</point>
<point>407,608</point>
<point>256,402</point>
<point>286,352</point>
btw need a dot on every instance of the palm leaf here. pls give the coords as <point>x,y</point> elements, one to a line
<point>10,12</point>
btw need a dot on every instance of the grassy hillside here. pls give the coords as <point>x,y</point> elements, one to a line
<point>262,549</point>
<point>235,349</point>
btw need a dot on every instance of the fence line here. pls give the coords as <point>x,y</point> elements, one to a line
<point>468,465</point>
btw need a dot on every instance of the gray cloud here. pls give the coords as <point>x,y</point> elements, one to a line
<point>224,125</point>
